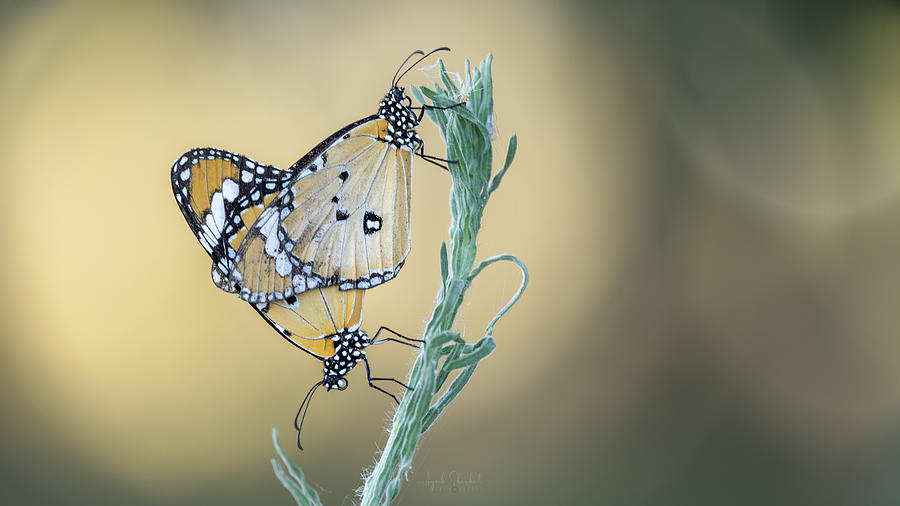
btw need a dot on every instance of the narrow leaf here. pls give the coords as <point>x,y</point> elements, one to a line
<point>452,392</point>
<point>444,263</point>
<point>510,154</point>
<point>293,479</point>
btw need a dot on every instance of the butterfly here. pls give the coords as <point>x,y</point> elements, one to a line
<point>324,322</point>
<point>338,216</point>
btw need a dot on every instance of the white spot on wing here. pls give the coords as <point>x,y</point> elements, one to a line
<point>210,229</point>
<point>217,207</point>
<point>282,264</point>
<point>230,189</point>
<point>205,243</point>
<point>268,229</point>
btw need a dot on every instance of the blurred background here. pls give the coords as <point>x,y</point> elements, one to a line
<point>707,195</point>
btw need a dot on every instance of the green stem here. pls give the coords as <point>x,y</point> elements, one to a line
<point>466,133</point>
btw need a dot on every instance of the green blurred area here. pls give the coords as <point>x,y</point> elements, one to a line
<point>707,195</point>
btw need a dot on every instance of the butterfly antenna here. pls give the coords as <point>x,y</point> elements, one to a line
<point>306,402</point>
<point>394,80</point>
<point>397,79</point>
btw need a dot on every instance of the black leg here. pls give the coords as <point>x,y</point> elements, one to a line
<point>431,159</point>
<point>435,107</point>
<point>395,340</point>
<point>419,149</point>
<point>420,152</point>
<point>423,108</point>
<point>402,384</point>
<point>371,379</point>
<point>375,337</point>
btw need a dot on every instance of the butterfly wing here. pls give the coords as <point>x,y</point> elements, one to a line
<point>310,320</point>
<point>344,221</point>
<point>221,194</point>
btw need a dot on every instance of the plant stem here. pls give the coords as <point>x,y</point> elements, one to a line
<point>466,131</point>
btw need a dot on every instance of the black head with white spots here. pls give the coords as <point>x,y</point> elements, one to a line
<point>334,382</point>
<point>349,350</point>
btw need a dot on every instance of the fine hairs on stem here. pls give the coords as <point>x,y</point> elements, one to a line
<point>444,353</point>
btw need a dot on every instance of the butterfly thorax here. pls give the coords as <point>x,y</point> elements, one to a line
<point>402,121</point>
<point>349,350</point>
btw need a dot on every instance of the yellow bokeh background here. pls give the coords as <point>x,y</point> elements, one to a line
<point>707,198</point>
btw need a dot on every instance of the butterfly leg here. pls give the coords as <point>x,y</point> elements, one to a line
<point>423,108</point>
<point>371,379</point>
<point>298,419</point>
<point>376,341</point>
<point>419,151</point>
<point>434,160</point>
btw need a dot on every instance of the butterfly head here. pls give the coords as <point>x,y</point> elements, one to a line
<point>348,351</point>
<point>335,382</point>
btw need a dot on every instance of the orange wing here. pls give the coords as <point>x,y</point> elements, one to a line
<point>315,317</point>
<point>220,195</point>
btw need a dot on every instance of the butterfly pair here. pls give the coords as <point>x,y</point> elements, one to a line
<point>303,244</point>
